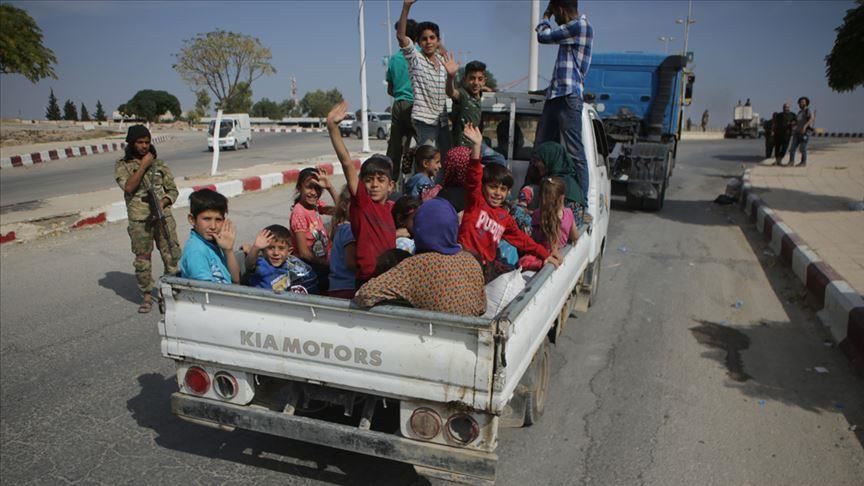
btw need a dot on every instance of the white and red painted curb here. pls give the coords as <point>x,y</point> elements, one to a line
<point>24,160</point>
<point>837,304</point>
<point>116,211</point>
<point>272,130</point>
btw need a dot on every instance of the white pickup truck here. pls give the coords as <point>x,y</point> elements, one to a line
<point>425,388</point>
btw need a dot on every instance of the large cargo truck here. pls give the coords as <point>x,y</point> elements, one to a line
<point>640,98</point>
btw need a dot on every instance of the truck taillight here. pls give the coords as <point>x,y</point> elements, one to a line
<point>197,380</point>
<point>425,423</point>
<point>462,428</point>
<point>225,385</point>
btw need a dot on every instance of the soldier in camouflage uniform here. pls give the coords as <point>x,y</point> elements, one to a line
<point>137,171</point>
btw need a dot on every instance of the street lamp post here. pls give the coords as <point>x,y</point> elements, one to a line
<point>687,22</point>
<point>666,39</point>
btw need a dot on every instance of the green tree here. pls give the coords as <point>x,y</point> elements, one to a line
<point>240,101</point>
<point>202,101</point>
<point>151,104</point>
<point>85,115</point>
<point>53,110</point>
<point>100,112</point>
<point>290,108</point>
<point>267,108</point>
<point>845,64</point>
<point>70,111</point>
<point>491,82</point>
<point>222,62</point>
<point>318,103</point>
<point>21,49</point>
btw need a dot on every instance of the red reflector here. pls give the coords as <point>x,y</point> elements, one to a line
<point>197,380</point>
<point>425,423</point>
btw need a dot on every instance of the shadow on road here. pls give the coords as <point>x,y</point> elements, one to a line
<point>749,159</point>
<point>762,357</point>
<point>802,202</point>
<point>151,409</point>
<point>122,284</point>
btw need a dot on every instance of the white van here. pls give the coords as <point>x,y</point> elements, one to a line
<point>234,132</point>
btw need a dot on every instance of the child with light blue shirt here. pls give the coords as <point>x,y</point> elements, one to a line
<point>209,251</point>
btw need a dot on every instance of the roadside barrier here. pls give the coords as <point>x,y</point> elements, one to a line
<point>837,304</point>
<point>24,160</point>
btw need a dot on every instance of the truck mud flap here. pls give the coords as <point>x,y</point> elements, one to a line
<point>469,465</point>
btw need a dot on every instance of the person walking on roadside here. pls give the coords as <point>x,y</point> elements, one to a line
<point>705,120</point>
<point>801,132</point>
<point>137,173</point>
<point>562,111</point>
<point>400,88</point>
<point>782,127</point>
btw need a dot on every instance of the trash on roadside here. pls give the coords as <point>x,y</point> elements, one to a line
<point>724,200</point>
<point>648,301</point>
<point>691,264</point>
<point>828,343</point>
<point>856,206</point>
<point>839,406</point>
<point>768,251</point>
<point>761,403</point>
<point>622,249</point>
<point>738,304</point>
<point>614,265</point>
<point>733,187</point>
<point>731,220</point>
<point>853,428</point>
<point>820,369</point>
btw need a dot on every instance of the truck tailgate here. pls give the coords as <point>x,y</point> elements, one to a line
<point>388,351</point>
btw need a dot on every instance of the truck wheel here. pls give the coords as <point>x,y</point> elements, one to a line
<point>381,135</point>
<point>535,402</point>
<point>236,146</point>
<point>359,133</point>
<point>247,143</point>
<point>657,204</point>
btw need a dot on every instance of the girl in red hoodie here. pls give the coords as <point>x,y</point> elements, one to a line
<point>486,221</point>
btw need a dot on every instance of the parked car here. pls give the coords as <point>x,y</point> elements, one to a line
<point>379,126</point>
<point>234,131</point>
<point>346,126</point>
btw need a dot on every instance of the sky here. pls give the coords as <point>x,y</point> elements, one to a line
<point>768,51</point>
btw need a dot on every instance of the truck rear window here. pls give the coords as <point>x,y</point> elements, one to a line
<point>496,127</point>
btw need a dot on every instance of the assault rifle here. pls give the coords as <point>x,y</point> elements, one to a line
<point>156,208</point>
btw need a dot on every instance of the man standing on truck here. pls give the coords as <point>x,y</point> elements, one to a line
<point>562,112</point>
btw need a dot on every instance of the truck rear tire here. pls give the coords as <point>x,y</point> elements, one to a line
<point>657,204</point>
<point>634,202</point>
<point>540,367</point>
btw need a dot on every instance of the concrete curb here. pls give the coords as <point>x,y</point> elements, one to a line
<point>271,130</point>
<point>116,211</point>
<point>837,304</point>
<point>24,160</point>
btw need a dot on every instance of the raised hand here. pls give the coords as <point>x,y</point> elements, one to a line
<point>322,180</point>
<point>338,113</point>
<point>450,64</point>
<point>473,134</point>
<point>225,238</point>
<point>263,240</point>
<point>408,3</point>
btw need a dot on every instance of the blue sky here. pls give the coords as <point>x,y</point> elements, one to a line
<point>769,51</point>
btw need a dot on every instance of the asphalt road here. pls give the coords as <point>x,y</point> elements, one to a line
<point>187,155</point>
<point>663,382</point>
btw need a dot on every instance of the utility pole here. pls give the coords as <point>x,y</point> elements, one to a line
<point>364,118</point>
<point>388,31</point>
<point>534,46</point>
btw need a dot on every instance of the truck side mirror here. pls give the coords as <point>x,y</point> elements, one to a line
<point>688,89</point>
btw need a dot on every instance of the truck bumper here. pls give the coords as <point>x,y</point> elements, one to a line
<point>462,465</point>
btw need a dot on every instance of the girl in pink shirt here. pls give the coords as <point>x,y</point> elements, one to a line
<point>311,239</point>
<point>553,224</point>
